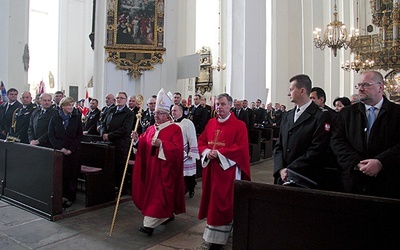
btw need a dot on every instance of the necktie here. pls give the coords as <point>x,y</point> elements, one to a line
<point>237,112</point>
<point>41,112</point>
<point>297,114</point>
<point>371,118</point>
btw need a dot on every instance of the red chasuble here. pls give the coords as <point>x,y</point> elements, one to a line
<point>230,138</point>
<point>158,188</point>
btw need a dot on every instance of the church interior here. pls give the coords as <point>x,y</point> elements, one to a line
<point>246,48</point>
<point>253,48</point>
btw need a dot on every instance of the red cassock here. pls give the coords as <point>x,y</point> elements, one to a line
<point>158,188</point>
<point>230,138</point>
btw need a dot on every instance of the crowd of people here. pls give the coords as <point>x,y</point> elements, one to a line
<point>358,139</point>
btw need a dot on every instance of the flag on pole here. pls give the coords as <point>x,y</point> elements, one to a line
<point>189,101</point>
<point>3,93</point>
<point>86,104</point>
<point>41,87</point>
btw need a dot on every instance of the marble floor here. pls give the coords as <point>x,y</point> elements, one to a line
<point>20,229</point>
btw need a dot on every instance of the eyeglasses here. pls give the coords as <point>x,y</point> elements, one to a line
<point>120,98</point>
<point>364,85</point>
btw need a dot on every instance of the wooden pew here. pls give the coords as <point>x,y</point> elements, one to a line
<point>97,172</point>
<point>254,144</point>
<point>278,217</point>
<point>31,178</point>
<point>267,141</point>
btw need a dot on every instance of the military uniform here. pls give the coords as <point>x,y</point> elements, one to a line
<point>146,120</point>
<point>20,122</point>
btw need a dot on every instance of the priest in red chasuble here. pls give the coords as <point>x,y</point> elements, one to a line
<point>158,189</point>
<point>224,150</point>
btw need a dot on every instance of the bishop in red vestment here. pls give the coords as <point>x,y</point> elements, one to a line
<point>158,188</point>
<point>225,157</point>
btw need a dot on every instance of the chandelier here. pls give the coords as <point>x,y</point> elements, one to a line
<point>219,66</point>
<point>383,47</point>
<point>335,35</point>
<point>357,64</point>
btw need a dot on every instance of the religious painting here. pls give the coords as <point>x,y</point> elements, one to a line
<point>135,30</point>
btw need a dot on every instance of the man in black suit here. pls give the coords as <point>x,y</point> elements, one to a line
<point>250,113</point>
<point>38,134</point>
<point>6,112</point>
<point>198,115</point>
<point>259,114</point>
<point>366,140</point>
<point>110,103</point>
<point>147,118</point>
<point>303,138</point>
<point>318,96</point>
<point>22,115</point>
<point>134,108</point>
<point>116,128</point>
<point>56,100</point>
<point>240,113</point>
<point>91,119</point>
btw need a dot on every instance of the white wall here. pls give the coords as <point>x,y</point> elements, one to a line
<point>75,54</point>
<point>14,18</point>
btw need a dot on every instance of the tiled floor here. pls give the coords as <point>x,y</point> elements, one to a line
<point>23,230</point>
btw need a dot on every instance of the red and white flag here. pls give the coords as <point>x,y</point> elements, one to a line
<point>86,104</point>
<point>41,87</point>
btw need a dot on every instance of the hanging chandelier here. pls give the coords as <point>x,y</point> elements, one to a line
<point>219,65</point>
<point>358,64</point>
<point>335,35</point>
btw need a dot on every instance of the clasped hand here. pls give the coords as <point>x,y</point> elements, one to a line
<point>212,154</point>
<point>370,167</point>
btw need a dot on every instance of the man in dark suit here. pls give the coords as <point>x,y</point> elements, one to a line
<point>147,118</point>
<point>110,103</point>
<point>366,140</point>
<point>259,113</point>
<point>56,100</point>
<point>303,138</point>
<point>91,119</point>
<point>38,134</point>
<point>22,115</point>
<point>134,108</point>
<point>198,115</point>
<point>116,128</point>
<point>250,113</point>
<point>6,112</point>
<point>240,113</point>
<point>318,96</point>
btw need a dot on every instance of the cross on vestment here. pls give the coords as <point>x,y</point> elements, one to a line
<point>216,142</point>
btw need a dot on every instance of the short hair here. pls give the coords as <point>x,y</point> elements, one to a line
<point>198,95</point>
<point>122,93</point>
<point>154,96</point>
<point>11,90</point>
<point>302,81</point>
<point>259,100</point>
<point>244,100</point>
<point>180,106</point>
<point>59,92</point>
<point>132,97</point>
<point>66,100</point>
<point>177,93</point>
<point>320,92</point>
<point>94,99</point>
<point>228,97</point>
<point>344,100</point>
<point>377,76</point>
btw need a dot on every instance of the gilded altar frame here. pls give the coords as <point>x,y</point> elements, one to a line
<point>135,34</point>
